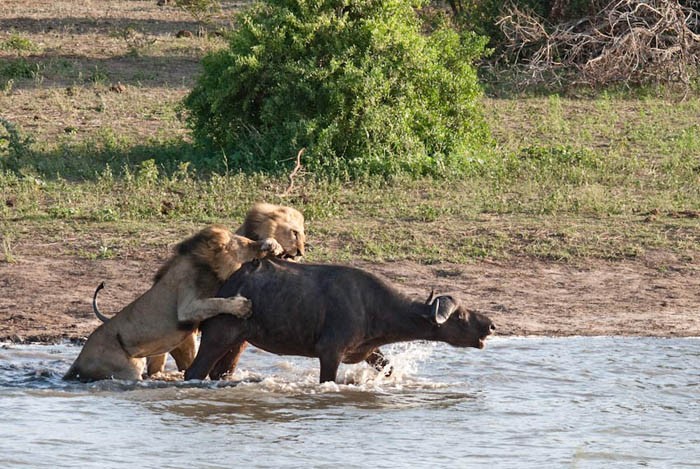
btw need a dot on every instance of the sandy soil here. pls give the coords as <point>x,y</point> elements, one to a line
<point>49,298</point>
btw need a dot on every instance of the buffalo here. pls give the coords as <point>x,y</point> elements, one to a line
<point>336,313</point>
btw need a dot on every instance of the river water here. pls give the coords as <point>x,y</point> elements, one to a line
<point>521,402</point>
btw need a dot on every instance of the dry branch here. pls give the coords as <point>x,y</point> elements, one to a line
<point>628,41</point>
<point>294,173</point>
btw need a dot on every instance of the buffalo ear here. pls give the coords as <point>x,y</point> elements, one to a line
<point>442,308</point>
<point>431,297</point>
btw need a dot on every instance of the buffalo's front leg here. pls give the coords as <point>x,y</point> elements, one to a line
<point>329,368</point>
<point>379,362</point>
<point>228,363</point>
<point>329,356</point>
<point>218,337</point>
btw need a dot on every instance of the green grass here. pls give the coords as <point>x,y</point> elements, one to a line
<point>18,44</point>
<point>16,69</point>
<point>602,179</point>
<point>606,177</point>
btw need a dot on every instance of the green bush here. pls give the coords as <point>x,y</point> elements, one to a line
<point>14,145</point>
<point>356,83</point>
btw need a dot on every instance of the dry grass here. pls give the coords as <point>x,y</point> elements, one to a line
<point>97,65</point>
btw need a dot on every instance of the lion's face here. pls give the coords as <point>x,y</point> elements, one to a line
<point>285,224</point>
<point>223,251</point>
<point>290,234</point>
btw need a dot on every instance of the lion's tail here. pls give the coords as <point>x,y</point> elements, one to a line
<point>99,315</point>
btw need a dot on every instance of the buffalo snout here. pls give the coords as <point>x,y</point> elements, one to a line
<point>483,325</point>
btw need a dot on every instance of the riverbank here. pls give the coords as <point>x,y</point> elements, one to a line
<point>48,299</point>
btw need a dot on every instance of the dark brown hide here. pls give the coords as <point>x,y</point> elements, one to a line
<point>336,313</point>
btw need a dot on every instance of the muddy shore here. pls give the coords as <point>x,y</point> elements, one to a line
<point>48,299</point>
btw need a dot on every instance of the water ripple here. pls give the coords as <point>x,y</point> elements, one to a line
<point>522,402</point>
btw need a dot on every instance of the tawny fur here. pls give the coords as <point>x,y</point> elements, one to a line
<point>285,224</point>
<point>165,316</point>
<point>263,221</point>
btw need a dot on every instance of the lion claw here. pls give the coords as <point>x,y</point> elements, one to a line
<point>243,307</point>
<point>270,245</point>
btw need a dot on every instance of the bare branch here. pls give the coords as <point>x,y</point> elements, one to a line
<point>293,174</point>
<point>628,41</point>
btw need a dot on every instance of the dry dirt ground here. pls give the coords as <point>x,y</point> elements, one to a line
<point>49,298</point>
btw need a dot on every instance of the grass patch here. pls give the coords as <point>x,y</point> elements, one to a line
<point>18,44</point>
<point>7,255</point>
<point>96,173</point>
<point>603,189</point>
<point>17,69</point>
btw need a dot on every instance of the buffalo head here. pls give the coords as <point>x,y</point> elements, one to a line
<point>457,325</point>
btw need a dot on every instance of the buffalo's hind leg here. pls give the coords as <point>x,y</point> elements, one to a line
<point>218,337</point>
<point>379,362</point>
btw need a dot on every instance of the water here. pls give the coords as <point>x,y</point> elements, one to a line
<point>521,402</point>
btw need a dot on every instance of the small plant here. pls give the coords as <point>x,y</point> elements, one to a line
<point>7,250</point>
<point>7,87</point>
<point>105,252</point>
<point>18,43</point>
<point>136,42</point>
<point>18,69</point>
<point>201,10</point>
<point>147,174</point>
<point>14,146</point>
<point>98,76</point>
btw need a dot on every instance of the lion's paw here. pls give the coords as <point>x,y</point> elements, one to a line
<point>271,246</point>
<point>242,306</point>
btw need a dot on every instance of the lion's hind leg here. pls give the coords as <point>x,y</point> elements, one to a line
<point>183,355</point>
<point>185,352</point>
<point>155,364</point>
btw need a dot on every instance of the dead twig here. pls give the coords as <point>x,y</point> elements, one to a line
<point>628,41</point>
<point>294,173</point>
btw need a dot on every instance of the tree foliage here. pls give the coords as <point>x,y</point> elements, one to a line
<point>359,84</point>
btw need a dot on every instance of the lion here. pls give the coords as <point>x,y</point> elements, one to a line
<point>168,313</point>
<point>263,221</point>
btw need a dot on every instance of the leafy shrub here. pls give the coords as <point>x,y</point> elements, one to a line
<point>201,10</point>
<point>356,83</point>
<point>19,68</point>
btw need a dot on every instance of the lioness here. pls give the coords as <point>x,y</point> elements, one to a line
<point>167,314</point>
